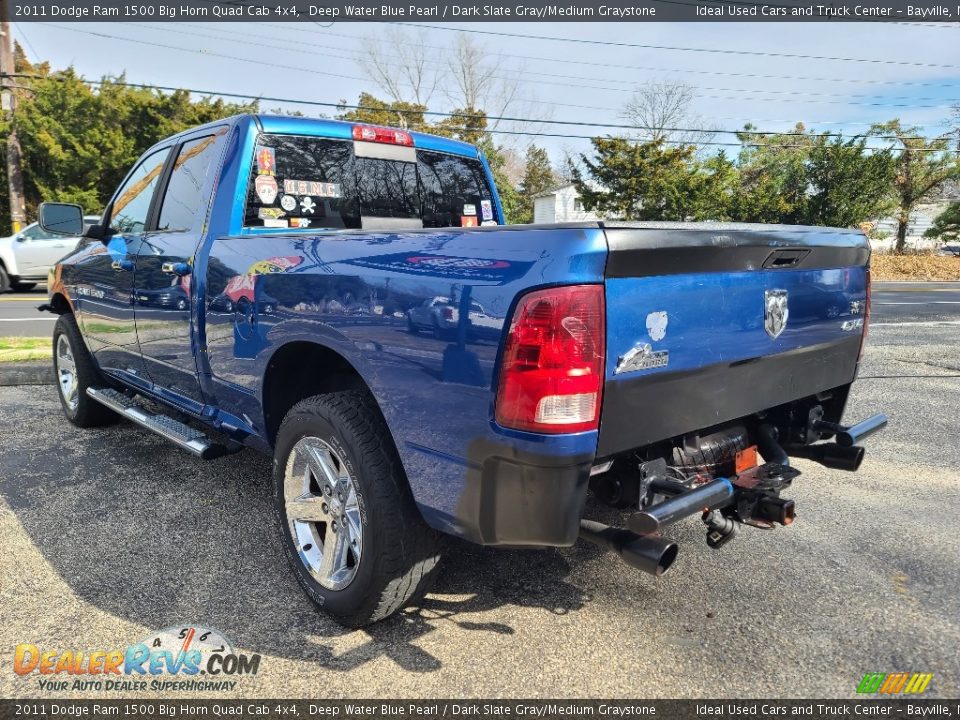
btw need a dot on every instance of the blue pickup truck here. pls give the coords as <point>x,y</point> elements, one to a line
<point>254,283</point>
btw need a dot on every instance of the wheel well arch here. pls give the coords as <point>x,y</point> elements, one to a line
<point>299,370</point>
<point>60,304</point>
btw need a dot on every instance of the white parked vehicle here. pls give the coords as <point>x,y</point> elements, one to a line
<point>26,258</point>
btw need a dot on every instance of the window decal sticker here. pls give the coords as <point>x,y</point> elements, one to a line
<point>311,187</point>
<point>269,213</point>
<point>266,161</point>
<point>266,187</point>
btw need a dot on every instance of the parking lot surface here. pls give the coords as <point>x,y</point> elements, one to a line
<point>108,535</point>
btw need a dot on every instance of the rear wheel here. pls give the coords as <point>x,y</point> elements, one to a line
<point>75,372</point>
<point>351,530</point>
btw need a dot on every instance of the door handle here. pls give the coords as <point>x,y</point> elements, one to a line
<point>179,269</point>
<point>122,265</point>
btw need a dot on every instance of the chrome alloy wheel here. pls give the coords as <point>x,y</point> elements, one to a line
<point>67,373</point>
<point>323,511</point>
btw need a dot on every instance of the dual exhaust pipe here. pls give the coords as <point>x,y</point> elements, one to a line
<point>844,453</point>
<point>651,554</point>
<point>639,546</point>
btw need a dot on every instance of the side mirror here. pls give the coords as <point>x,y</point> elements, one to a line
<point>61,218</point>
<point>20,238</point>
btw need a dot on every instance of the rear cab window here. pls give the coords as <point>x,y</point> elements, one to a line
<point>321,183</point>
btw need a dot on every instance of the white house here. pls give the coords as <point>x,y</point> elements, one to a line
<point>561,204</point>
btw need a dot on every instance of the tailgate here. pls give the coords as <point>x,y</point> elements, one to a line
<point>708,323</point>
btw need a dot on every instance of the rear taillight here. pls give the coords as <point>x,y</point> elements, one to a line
<point>391,136</point>
<point>551,376</point>
<point>866,316</point>
<point>448,313</point>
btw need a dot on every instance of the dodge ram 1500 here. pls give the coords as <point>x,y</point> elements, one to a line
<point>262,282</point>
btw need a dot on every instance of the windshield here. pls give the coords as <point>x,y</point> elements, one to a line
<point>305,182</point>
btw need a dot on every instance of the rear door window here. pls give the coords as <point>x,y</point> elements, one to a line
<point>304,182</point>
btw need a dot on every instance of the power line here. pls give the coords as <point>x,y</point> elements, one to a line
<point>205,52</point>
<point>751,53</point>
<point>345,106</point>
<point>566,78</point>
<point>645,68</point>
<point>632,67</point>
<point>353,77</point>
<point>507,118</point>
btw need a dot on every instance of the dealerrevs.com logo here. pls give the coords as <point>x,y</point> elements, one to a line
<point>176,658</point>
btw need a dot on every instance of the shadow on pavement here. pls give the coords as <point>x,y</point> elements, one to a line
<point>150,535</point>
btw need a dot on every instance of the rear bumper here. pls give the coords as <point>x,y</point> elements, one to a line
<point>642,410</point>
<point>517,498</point>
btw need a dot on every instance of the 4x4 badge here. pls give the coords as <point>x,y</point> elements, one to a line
<point>775,312</point>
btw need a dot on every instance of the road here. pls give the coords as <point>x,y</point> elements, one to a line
<point>19,316</point>
<point>111,534</point>
<point>892,302</point>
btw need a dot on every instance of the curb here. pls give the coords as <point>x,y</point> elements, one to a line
<point>26,373</point>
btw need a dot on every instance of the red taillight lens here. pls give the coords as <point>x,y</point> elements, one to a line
<point>551,377</point>
<point>866,317</point>
<point>448,313</point>
<point>369,133</point>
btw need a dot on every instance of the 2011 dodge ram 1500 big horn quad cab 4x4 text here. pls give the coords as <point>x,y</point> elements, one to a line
<point>251,285</point>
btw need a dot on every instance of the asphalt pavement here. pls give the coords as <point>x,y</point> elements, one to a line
<point>110,534</point>
<point>19,316</point>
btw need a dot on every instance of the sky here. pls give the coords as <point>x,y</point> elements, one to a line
<point>878,71</point>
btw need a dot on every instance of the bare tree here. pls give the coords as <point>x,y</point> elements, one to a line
<point>481,80</point>
<point>407,68</point>
<point>400,66</point>
<point>662,111</point>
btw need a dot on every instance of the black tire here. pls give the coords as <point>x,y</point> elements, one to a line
<point>85,412</point>
<point>4,280</point>
<point>399,550</point>
<point>438,332</point>
<point>411,327</point>
<point>23,286</point>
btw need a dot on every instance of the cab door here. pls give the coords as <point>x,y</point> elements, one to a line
<point>104,278</point>
<point>164,283</point>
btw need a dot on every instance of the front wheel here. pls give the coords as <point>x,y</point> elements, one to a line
<point>75,372</point>
<point>353,535</point>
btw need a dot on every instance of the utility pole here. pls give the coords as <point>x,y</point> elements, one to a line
<point>18,206</point>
